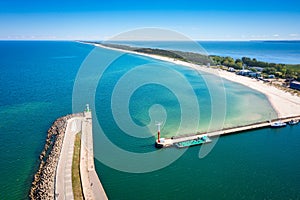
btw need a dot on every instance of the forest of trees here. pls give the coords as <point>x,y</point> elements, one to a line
<point>178,55</point>
<point>279,70</point>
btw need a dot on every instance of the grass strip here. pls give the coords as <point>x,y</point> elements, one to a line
<point>76,182</point>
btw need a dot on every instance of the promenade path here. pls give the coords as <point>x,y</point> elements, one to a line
<point>91,185</point>
<point>63,185</point>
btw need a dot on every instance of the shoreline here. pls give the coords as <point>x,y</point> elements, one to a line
<point>284,103</point>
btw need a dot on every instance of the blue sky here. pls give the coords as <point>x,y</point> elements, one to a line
<point>199,20</point>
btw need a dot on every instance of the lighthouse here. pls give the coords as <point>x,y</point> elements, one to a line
<point>87,108</point>
<point>160,142</point>
<point>158,131</point>
<point>87,112</point>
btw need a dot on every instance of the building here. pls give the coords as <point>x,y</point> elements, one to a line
<point>295,85</point>
<point>259,69</point>
<point>271,76</point>
<point>254,74</point>
<point>244,72</point>
<point>231,69</point>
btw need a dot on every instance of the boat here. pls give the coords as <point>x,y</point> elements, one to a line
<point>293,122</point>
<point>278,124</point>
<point>197,141</point>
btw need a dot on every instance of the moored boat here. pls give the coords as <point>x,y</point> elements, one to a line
<point>197,141</point>
<point>293,122</point>
<point>278,124</point>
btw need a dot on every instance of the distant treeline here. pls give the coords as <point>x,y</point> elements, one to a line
<point>279,70</point>
<point>177,55</point>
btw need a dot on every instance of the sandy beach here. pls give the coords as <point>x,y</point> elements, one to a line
<point>284,103</point>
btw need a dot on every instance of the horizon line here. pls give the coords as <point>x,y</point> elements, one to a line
<point>197,40</point>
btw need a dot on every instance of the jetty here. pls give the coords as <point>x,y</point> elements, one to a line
<point>90,182</point>
<point>175,140</point>
<point>91,185</point>
<point>53,179</point>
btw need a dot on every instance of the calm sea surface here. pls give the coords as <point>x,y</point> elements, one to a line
<point>36,85</point>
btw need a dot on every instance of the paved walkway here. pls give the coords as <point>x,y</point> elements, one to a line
<point>91,185</point>
<point>63,185</point>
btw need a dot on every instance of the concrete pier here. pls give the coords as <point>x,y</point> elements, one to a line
<point>90,182</point>
<point>91,185</point>
<point>169,142</point>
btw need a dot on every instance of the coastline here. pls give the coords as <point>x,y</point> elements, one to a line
<point>284,103</point>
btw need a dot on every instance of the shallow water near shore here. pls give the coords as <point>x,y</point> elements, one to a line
<point>36,88</point>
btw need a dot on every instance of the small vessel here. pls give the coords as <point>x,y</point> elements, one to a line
<point>293,122</point>
<point>278,124</point>
<point>188,143</point>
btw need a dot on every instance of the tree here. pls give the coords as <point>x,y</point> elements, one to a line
<point>245,59</point>
<point>239,65</point>
<point>238,60</point>
<point>225,62</point>
<point>269,70</point>
<point>253,69</point>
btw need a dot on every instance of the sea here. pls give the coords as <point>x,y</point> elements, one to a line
<point>129,94</point>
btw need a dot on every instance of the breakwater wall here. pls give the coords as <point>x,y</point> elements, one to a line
<point>169,142</point>
<point>43,185</point>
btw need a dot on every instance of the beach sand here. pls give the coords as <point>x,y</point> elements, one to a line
<point>284,103</point>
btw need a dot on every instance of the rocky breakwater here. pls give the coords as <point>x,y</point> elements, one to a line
<point>43,185</point>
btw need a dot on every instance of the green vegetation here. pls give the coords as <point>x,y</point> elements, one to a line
<point>279,70</point>
<point>76,182</point>
<point>177,55</point>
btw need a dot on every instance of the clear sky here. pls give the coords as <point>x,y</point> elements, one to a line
<point>199,20</point>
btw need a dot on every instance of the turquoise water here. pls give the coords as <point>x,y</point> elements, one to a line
<point>36,88</point>
<point>260,164</point>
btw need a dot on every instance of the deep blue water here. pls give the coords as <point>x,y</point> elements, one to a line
<point>36,85</point>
